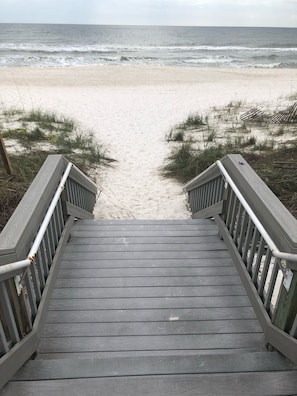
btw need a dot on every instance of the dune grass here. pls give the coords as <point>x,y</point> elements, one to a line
<point>30,137</point>
<point>271,151</point>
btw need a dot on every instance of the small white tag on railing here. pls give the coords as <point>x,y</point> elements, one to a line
<point>288,276</point>
<point>17,282</point>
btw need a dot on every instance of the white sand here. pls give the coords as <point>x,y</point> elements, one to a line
<point>131,109</point>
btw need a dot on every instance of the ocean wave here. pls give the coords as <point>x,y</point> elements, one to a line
<point>70,45</point>
<point>276,65</point>
<point>33,55</point>
<point>263,57</point>
<point>210,60</point>
<point>12,47</point>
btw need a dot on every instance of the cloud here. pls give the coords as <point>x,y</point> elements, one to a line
<point>152,12</point>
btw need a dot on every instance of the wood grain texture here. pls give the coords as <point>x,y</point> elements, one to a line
<point>150,308</point>
<point>148,315</point>
<point>158,293</point>
<point>151,365</point>
<point>148,292</point>
<point>151,328</point>
<point>232,384</point>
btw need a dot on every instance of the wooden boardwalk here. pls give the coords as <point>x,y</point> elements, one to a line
<point>151,308</point>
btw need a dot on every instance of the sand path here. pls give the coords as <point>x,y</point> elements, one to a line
<point>131,109</point>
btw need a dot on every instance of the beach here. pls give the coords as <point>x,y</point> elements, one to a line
<point>130,109</point>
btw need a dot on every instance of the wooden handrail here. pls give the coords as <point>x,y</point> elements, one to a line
<point>39,227</point>
<point>261,236</point>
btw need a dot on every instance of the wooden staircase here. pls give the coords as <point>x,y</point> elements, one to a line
<point>151,308</point>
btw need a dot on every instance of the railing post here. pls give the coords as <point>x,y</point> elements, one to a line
<point>286,309</point>
<point>16,306</point>
<point>261,236</point>
<point>63,204</point>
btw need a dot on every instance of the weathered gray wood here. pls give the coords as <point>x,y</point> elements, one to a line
<point>148,281</point>
<point>130,314</point>
<point>84,256</point>
<point>75,211</point>
<point>149,303</point>
<point>275,217</point>
<point>142,272</point>
<point>8,314</point>
<point>4,344</point>
<point>286,310</point>
<point>126,247</point>
<point>46,295</point>
<point>21,228</point>
<point>209,212</point>
<point>181,228</point>
<point>254,115</point>
<point>157,315</point>
<point>248,384</point>
<point>187,241</point>
<point>286,116</point>
<point>173,262</point>
<point>148,292</point>
<point>147,223</point>
<point>212,173</point>
<point>88,232</point>
<point>24,349</point>
<point>168,352</point>
<point>150,365</point>
<point>151,328</point>
<point>143,343</point>
<point>280,340</point>
<point>77,176</point>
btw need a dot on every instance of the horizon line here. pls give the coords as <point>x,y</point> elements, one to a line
<point>147,25</point>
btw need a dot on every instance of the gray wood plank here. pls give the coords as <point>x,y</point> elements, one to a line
<point>145,222</point>
<point>147,315</point>
<point>140,240</point>
<point>168,352</point>
<point>143,272</point>
<point>140,292</point>
<point>153,328</point>
<point>150,365</point>
<point>227,384</point>
<point>84,256</point>
<point>149,297</point>
<point>148,281</point>
<point>85,232</point>
<point>100,263</point>
<point>149,303</point>
<point>157,227</point>
<point>194,247</point>
<point>150,343</point>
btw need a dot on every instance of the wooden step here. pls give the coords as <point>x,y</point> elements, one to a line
<point>150,308</point>
<point>235,384</point>
<point>38,370</point>
<point>158,291</point>
<point>235,374</point>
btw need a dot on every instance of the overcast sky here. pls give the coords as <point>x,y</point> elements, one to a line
<point>278,13</point>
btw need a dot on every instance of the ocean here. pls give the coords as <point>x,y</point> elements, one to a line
<point>42,45</point>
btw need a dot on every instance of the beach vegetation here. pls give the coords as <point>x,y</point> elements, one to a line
<point>280,131</point>
<point>12,111</point>
<point>29,138</point>
<point>175,135</point>
<point>211,136</point>
<point>193,121</point>
<point>274,159</point>
<point>234,105</point>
